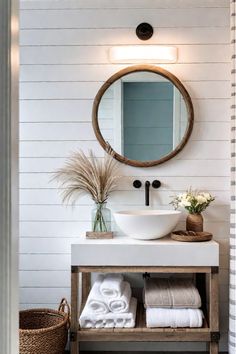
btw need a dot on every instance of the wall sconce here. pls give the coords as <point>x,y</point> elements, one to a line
<point>143,53</point>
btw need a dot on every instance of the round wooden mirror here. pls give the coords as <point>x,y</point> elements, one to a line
<point>144,114</point>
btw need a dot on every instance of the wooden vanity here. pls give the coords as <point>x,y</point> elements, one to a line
<point>125,255</point>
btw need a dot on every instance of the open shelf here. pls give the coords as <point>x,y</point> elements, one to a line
<point>206,277</point>
<point>141,333</point>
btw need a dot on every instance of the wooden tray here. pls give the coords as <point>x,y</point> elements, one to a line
<point>99,235</point>
<point>191,236</point>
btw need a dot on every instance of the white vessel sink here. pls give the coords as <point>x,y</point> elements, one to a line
<point>147,224</point>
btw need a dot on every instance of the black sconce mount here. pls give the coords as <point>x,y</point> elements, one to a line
<point>144,31</point>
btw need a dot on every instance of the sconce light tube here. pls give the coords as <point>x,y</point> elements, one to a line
<point>143,53</point>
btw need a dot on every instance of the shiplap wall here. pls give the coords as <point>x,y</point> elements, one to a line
<point>64,47</point>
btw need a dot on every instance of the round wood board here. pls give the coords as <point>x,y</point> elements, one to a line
<point>190,236</point>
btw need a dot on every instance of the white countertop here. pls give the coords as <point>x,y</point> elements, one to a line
<point>125,251</point>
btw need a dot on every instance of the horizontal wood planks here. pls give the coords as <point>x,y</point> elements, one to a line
<point>64,61</point>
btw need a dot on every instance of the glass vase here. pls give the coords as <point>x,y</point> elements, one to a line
<point>194,222</point>
<point>101,218</point>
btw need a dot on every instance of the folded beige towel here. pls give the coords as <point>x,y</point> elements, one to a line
<point>171,293</point>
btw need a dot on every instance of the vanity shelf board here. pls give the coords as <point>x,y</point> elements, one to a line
<point>144,269</point>
<point>141,333</point>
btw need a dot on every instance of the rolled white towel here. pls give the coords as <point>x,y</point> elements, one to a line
<point>163,317</point>
<point>112,285</point>
<point>121,304</point>
<point>95,302</point>
<point>110,319</point>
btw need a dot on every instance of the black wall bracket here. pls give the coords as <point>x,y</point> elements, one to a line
<point>74,269</point>
<point>73,336</point>
<point>214,270</point>
<point>144,31</point>
<point>215,336</point>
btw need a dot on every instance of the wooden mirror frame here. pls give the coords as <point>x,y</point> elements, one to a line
<point>176,82</point>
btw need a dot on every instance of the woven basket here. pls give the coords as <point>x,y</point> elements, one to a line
<point>44,331</point>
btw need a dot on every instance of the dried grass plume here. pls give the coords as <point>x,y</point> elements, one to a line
<point>88,175</point>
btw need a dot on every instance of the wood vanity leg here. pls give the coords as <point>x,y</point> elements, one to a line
<point>74,345</point>
<point>86,283</point>
<point>201,285</point>
<point>214,348</point>
<point>214,311</point>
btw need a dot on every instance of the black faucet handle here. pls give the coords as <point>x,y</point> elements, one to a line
<point>156,184</point>
<point>137,183</point>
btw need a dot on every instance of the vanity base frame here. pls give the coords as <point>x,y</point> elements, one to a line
<point>206,280</point>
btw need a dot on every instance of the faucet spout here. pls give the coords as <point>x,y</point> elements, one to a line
<point>147,188</point>
<point>155,184</point>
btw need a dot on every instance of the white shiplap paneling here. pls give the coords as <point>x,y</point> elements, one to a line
<point>125,18</point>
<point>83,72</point>
<point>87,90</point>
<point>72,54</point>
<point>213,183</point>
<point>64,61</point>
<point>117,4</point>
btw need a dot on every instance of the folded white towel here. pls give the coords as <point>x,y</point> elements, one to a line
<point>99,324</point>
<point>110,319</point>
<point>121,304</point>
<point>112,286</point>
<point>109,323</point>
<point>95,302</point>
<point>162,317</point>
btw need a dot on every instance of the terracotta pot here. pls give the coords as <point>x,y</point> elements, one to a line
<point>194,222</point>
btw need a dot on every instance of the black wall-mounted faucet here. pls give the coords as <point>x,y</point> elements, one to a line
<point>147,189</point>
<point>155,184</point>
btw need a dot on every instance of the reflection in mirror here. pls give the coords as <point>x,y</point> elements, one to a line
<point>142,116</point>
<point>146,117</point>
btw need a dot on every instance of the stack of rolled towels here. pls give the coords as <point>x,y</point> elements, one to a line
<point>110,304</point>
<point>172,303</point>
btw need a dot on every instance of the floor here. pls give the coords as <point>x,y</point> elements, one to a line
<point>106,352</point>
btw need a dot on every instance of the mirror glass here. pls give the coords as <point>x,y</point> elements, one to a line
<point>143,116</point>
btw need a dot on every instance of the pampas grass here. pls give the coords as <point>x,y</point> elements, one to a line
<point>87,175</point>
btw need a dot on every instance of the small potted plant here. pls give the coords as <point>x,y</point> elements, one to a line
<point>93,176</point>
<point>195,203</point>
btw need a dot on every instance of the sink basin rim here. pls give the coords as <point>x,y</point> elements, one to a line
<point>147,224</point>
<point>144,212</point>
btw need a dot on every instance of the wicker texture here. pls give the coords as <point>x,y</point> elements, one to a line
<point>194,222</point>
<point>191,236</point>
<point>44,331</point>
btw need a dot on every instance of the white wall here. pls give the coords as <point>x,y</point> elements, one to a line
<point>64,62</point>
<point>9,177</point>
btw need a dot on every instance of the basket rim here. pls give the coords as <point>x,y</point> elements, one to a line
<point>47,329</point>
